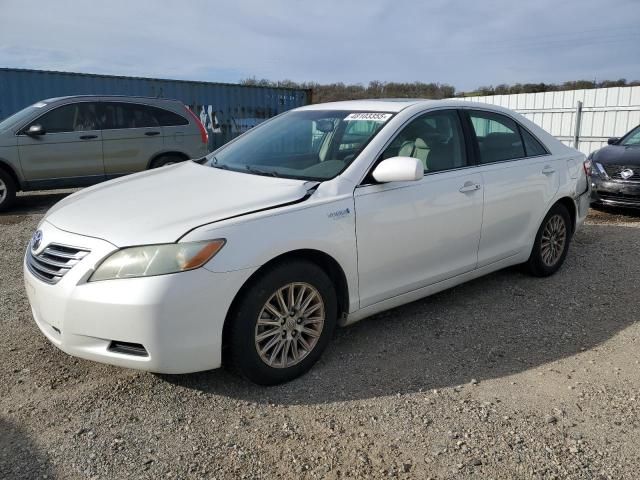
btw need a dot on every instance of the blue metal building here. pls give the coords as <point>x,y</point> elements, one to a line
<point>226,110</point>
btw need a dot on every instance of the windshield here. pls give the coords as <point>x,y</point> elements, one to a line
<point>23,114</point>
<point>306,144</point>
<point>632,138</point>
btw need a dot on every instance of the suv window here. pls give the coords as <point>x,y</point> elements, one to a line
<point>75,117</point>
<point>167,118</point>
<point>498,137</point>
<point>435,139</point>
<point>133,115</point>
<point>127,115</point>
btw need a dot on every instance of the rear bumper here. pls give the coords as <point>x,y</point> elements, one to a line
<point>615,193</point>
<point>582,205</point>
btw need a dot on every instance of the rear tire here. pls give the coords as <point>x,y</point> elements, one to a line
<point>272,339</point>
<point>165,160</point>
<point>7,191</point>
<point>552,243</point>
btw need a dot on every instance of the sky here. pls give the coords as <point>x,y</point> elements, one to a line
<point>463,43</point>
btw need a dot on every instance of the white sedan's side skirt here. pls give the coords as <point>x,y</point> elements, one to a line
<point>419,293</point>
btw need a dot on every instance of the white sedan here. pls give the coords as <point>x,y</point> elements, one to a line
<point>319,217</point>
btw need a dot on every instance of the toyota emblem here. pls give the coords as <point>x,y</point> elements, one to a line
<point>626,173</point>
<point>36,240</point>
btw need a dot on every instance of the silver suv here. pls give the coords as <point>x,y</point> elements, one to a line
<point>82,140</point>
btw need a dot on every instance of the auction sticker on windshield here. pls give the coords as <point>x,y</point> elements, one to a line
<point>369,116</point>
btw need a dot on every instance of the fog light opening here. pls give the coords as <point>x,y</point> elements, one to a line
<point>127,348</point>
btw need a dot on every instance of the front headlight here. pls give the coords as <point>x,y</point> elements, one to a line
<point>152,260</point>
<point>599,169</point>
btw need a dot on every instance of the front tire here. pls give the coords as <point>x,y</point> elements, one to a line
<point>552,243</point>
<point>282,323</point>
<point>7,191</point>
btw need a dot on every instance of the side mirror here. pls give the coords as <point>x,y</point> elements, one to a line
<point>613,140</point>
<point>35,130</point>
<point>399,169</point>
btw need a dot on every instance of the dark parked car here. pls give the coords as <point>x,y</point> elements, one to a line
<point>615,171</point>
<point>82,140</point>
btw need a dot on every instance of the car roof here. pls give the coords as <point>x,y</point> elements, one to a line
<point>109,97</point>
<point>391,105</point>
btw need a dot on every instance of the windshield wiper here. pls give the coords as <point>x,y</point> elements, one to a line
<point>257,171</point>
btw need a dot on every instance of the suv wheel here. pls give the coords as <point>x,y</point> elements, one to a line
<point>165,160</point>
<point>282,323</point>
<point>552,243</point>
<point>7,191</point>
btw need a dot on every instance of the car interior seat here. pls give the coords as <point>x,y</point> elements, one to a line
<point>442,156</point>
<point>416,148</point>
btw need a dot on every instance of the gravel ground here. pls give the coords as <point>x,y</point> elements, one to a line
<point>504,377</point>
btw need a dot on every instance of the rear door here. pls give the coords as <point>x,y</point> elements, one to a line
<point>69,153</point>
<point>180,135</point>
<point>132,136</point>
<point>520,180</point>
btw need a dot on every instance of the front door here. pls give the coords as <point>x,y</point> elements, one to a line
<point>413,234</point>
<point>68,152</point>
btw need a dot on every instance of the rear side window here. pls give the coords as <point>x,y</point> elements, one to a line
<point>498,137</point>
<point>532,146</point>
<point>127,115</point>
<point>75,117</point>
<point>132,115</point>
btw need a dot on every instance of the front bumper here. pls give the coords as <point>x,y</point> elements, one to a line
<point>177,318</point>
<point>615,192</point>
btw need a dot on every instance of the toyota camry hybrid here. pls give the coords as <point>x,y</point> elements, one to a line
<point>319,217</point>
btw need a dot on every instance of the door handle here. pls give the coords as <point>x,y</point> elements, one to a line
<point>469,187</point>
<point>151,134</point>
<point>548,170</point>
<point>88,137</point>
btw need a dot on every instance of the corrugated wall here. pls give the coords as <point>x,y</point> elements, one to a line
<point>226,109</point>
<point>606,112</point>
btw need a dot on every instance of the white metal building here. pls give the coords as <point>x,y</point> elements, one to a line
<point>584,119</point>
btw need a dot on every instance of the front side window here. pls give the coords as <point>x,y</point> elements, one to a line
<point>632,138</point>
<point>306,144</point>
<point>76,117</point>
<point>498,137</point>
<point>435,139</point>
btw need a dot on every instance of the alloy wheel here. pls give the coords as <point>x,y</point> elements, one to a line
<point>3,190</point>
<point>289,325</point>
<point>553,240</point>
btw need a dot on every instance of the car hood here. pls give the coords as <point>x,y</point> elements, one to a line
<point>161,205</point>
<point>618,155</point>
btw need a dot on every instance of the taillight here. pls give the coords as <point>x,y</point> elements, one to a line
<point>203,131</point>
<point>587,167</point>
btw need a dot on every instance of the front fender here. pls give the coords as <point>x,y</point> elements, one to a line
<point>255,239</point>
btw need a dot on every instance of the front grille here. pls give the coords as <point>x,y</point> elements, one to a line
<point>614,172</point>
<point>620,197</point>
<point>54,261</point>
